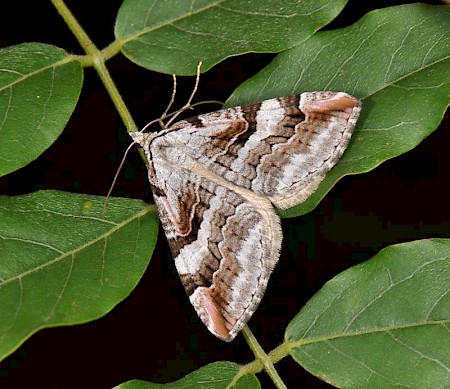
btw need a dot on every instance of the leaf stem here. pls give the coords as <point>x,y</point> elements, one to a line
<point>279,352</point>
<point>263,358</point>
<point>111,50</point>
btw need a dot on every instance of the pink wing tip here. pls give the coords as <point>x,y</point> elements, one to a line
<point>328,101</point>
<point>217,323</point>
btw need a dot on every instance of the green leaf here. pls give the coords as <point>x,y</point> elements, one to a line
<point>216,375</point>
<point>382,324</point>
<point>62,262</point>
<point>174,36</point>
<point>395,59</point>
<point>39,88</point>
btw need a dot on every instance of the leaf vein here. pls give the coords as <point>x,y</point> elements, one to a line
<point>393,55</point>
<point>8,108</point>
<point>405,76</point>
<point>367,367</point>
<point>256,13</point>
<point>443,35</point>
<point>63,256</point>
<point>208,34</point>
<point>16,314</point>
<point>32,242</point>
<point>53,65</point>
<point>51,315</point>
<point>418,352</point>
<point>317,54</point>
<point>436,303</point>
<point>174,20</point>
<point>391,286</point>
<point>350,57</point>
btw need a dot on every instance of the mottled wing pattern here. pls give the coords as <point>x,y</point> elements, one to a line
<point>280,148</point>
<point>214,179</point>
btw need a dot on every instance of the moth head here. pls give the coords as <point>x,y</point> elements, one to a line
<point>143,139</point>
<point>138,137</point>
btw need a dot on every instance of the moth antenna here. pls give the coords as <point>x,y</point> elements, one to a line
<point>188,104</point>
<point>150,123</point>
<point>115,179</point>
<point>207,102</point>
<point>175,112</point>
<point>197,81</point>
<point>172,100</point>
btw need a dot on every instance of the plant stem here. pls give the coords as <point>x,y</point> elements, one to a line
<point>98,62</point>
<point>111,50</point>
<point>83,38</point>
<point>114,93</point>
<point>263,357</point>
<point>279,352</point>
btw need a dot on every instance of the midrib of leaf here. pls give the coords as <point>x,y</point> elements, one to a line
<point>285,348</point>
<point>148,209</point>
<point>70,58</point>
<point>320,339</point>
<point>169,22</point>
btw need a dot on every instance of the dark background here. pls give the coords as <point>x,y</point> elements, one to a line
<point>154,334</point>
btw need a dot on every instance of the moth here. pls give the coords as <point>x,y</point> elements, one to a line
<point>216,179</point>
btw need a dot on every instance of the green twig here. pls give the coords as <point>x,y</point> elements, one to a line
<point>98,61</point>
<point>263,357</point>
<point>114,93</point>
<point>83,38</point>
